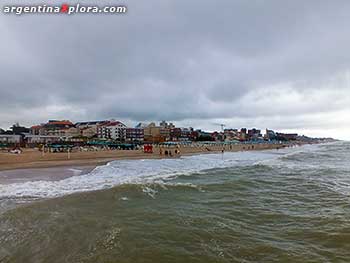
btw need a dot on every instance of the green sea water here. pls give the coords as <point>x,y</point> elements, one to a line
<point>274,206</point>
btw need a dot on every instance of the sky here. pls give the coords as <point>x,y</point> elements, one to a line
<point>282,65</point>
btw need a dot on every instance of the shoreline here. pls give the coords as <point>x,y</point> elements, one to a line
<point>31,159</point>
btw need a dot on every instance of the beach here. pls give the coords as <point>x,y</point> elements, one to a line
<point>32,158</point>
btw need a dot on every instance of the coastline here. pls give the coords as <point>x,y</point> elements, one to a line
<point>33,159</point>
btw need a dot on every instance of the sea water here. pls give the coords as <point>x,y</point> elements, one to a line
<point>287,205</point>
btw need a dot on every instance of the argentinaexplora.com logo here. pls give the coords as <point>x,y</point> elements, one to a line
<point>63,9</point>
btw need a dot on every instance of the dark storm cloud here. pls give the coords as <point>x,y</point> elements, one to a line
<point>179,60</point>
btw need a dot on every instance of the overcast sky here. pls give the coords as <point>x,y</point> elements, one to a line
<point>283,65</point>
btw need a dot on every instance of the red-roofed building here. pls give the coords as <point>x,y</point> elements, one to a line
<point>54,124</point>
<point>35,130</point>
<point>61,128</point>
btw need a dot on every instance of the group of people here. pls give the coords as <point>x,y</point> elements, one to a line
<point>168,152</point>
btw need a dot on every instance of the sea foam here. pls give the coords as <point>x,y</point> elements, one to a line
<point>135,172</point>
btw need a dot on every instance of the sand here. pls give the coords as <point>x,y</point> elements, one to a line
<point>32,158</point>
<point>42,174</point>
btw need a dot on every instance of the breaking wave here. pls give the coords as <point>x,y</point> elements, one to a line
<point>136,172</point>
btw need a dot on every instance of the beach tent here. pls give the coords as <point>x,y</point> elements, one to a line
<point>60,147</point>
<point>148,149</point>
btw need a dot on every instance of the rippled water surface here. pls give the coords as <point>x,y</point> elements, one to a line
<point>290,205</point>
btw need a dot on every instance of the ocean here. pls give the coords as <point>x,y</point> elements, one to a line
<point>287,205</point>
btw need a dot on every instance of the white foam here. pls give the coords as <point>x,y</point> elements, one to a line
<point>132,171</point>
<point>75,171</point>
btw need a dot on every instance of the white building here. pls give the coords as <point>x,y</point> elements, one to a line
<point>114,130</point>
<point>43,139</point>
<point>10,138</point>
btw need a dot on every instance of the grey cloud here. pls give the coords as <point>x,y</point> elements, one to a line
<point>177,60</point>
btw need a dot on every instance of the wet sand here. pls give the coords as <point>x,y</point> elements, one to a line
<point>32,165</point>
<point>45,174</point>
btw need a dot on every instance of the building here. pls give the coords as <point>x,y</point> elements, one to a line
<point>112,130</point>
<point>217,136</point>
<point>134,134</point>
<point>231,135</point>
<point>65,133</point>
<point>11,138</point>
<point>270,135</point>
<point>90,124</point>
<point>89,129</point>
<point>36,130</point>
<point>71,132</point>
<point>58,124</point>
<point>202,135</point>
<point>166,125</point>
<point>186,134</point>
<point>53,128</point>
<point>180,134</point>
<point>254,134</point>
<point>64,129</point>
<point>156,134</point>
<point>152,133</point>
<point>88,132</point>
<point>286,136</point>
<point>14,136</point>
<point>175,134</point>
<point>32,140</point>
<point>243,134</point>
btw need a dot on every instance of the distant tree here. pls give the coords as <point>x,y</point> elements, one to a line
<point>8,132</point>
<point>18,129</point>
